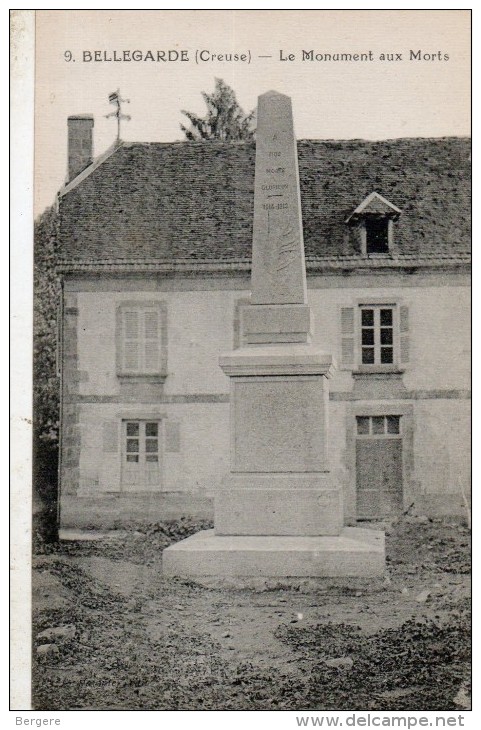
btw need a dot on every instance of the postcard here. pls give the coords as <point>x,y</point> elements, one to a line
<point>251,365</point>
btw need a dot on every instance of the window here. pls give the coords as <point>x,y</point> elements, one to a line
<point>142,442</point>
<point>141,455</point>
<point>378,426</point>
<point>377,235</point>
<point>377,335</point>
<point>132,451</point>
<point>374,337</point>
<point>141,339</point>
<point>374,221</point>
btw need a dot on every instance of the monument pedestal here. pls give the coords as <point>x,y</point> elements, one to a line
<point>278,504</point>
<point>279,512</point>
<point>355,552</point>
<point>279,483</point>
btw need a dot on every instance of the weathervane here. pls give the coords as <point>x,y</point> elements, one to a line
<point>115,98</point>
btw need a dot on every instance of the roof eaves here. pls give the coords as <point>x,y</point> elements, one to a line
<point>207,266</point>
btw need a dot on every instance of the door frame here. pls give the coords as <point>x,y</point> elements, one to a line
<point>142,413</point>
<point>142,438</point>
<point>386,408</point>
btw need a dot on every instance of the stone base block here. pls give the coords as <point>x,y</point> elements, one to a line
<point>281,359</point>
<point>356,552</point>
<point>278,512</point>
<point>264,323</point>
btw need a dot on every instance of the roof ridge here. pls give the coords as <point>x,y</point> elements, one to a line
<point>301,140</point>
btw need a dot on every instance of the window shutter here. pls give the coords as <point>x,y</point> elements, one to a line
<point>131,340</point>
<point>151,340</point>
<point>404,333</point>
<point>347,333</point>
<point>110,437</point>
<point>172,437</point>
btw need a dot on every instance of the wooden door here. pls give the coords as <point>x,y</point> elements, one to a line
<point>141,468</point>
<point>379,467</point>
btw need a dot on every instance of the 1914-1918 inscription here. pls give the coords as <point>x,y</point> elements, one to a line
<point>278,251</point>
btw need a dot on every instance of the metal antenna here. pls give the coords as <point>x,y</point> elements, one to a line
<point>115,98</point>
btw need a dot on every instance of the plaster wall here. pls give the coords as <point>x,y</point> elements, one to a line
<point>193,403</point>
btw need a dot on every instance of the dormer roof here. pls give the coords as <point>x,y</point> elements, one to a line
<point>374,204</point>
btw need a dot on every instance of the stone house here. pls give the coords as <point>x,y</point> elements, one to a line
<point>155,243</point>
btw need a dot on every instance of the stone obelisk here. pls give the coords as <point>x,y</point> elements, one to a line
<point>279,511</point>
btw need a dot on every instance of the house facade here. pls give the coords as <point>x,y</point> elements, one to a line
<point>155,243</point>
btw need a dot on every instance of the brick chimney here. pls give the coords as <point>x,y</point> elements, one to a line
<point>80,143</point>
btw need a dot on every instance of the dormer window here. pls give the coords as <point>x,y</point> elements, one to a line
<point>377,234</point>
<point>374,219</point>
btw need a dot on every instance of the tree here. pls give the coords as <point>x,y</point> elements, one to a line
<point>46,391</point>
<point>224,121</point>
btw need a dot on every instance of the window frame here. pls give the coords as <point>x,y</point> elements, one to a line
<point>355,365</point>
<point>387,221</point>
<point>377,367</point>
<point>143,440</point>
<point>143,474</point>
<point>143,374</point>
<point>363,236</point>
<point>385,433</point>
<point>377,345</point>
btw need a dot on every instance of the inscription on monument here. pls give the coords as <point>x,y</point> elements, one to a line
<point>278,269</point>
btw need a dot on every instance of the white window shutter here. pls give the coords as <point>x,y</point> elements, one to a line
<point>110,437</point>
<point>404,333</point>
<point>151,340</point>
<point>347,335</point>
<point>130,340</point>
<point>172,436</point>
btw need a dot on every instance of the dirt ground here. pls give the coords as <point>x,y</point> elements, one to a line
<point>110,633</point>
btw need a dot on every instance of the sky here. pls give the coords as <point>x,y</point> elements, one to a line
<point>378,99</point>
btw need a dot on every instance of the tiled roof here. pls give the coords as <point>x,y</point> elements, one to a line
<point>194,201</point>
